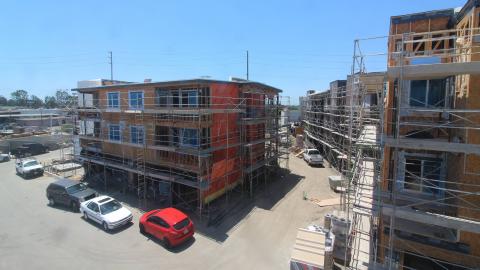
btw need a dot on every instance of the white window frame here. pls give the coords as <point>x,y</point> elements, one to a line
<point>108,100</point>
<point>168,97</point>
<point>143,133</point>
<point>119,132</point>
<point>188,90</point>
<point>130,99</point>
<point>402,172</point>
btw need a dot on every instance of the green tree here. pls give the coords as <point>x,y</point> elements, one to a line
<point>50,102</point>
<point>35,102</point>
<point>20,97</point>
<point>3,101</point>
<point>11,102</point>
<point>63,98</point>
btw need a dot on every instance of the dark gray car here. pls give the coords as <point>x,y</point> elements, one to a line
<point>69,193</point>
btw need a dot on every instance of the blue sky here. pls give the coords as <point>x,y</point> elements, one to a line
<point>293,45</point>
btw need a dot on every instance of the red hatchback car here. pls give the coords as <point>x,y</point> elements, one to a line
<point>169,225</point>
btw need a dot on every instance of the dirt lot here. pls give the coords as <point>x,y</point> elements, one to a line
<point>259,235</point>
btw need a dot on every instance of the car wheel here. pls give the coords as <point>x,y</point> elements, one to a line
<point>142,229</point>
<point>85,216</point>
<point>167,243</point>
<point>105,226</point>
<point>51,201</point>
<point>74,206</point>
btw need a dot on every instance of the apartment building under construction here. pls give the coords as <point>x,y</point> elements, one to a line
<point>430,186</point>
<point>190,141</point>
<point>326,115</point>
<point>412,199</point>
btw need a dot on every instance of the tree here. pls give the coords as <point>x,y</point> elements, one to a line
<point>3,101</point>
<point>11,102</point>
<point>20,97</point>
<point>35,102</point>
<point>50,102</point>
<point>63,98</point>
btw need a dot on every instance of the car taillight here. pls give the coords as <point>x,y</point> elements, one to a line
<point>176,234</point>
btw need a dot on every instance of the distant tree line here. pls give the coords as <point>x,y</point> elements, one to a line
<point>21,98</point>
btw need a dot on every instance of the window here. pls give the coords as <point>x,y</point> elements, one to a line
<point>423,174</point>
<point>110,207</point>
<point>182,224</point>
<point>113,99</point>
<point>96,129</point>
<point>158,221</point>
<point>76,188</point>
<point>114,132</point>
<point>175,136</point>
<point>93,206</point>
<point>175,99</point>
<point>137,134</point>
<point>162,98</point>
<point>189,137</point>
<point>189,98</point>
<point>135,100</point>
<point>427,93</point>
<point>163,223</point>
<point>161,135</point>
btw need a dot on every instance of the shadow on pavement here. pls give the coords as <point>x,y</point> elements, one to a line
<point>225,212</point>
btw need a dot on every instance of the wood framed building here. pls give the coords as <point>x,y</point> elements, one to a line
<point>190,141</point>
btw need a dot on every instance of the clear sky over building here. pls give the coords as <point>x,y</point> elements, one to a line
<point>293,45</point>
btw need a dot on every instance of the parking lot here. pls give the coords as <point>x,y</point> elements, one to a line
<point>34,235</point>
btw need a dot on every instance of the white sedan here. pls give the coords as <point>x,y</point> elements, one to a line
<point>106,211</point>
<point>312,157</point>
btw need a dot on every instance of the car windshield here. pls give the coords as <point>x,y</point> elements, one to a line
<point>76,188</point>
<point>182,224</point>
<point>314,152</point>
<point>109,207</point>
<point>30,163</point>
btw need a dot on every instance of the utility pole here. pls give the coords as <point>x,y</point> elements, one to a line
<point>111,65</point>
<point>247,65</point>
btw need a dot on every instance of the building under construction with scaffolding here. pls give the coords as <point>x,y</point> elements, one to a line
<point>187,141</point>
<point>412,189</point>
<point>326,115</point>
<point>429,194</point>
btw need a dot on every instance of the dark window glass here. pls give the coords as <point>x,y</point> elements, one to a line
<point>418,93</point>
<point>136,100</point>
<point>436,93</point>
<point>413,172</point>
<point>175,99</point>
<point>162,98</point>
<point>161,135</point>
<point>182,224</point>
<point>423,174</point>
<point>163,223</point>
<point>431,176</point>
<point>176,136</point>
<point>113,100</point>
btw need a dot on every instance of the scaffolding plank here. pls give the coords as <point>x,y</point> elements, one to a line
<point>433,70</point>
<point>433,219</point>
<point>433,145</point>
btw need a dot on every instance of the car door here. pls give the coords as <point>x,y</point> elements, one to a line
<point>63,196</point>
<point>154,228</point>
<point>93,212</point>
<point>164,228</point>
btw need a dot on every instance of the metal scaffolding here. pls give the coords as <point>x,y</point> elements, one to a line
<point>166,147</point>
<point>413,186</point>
